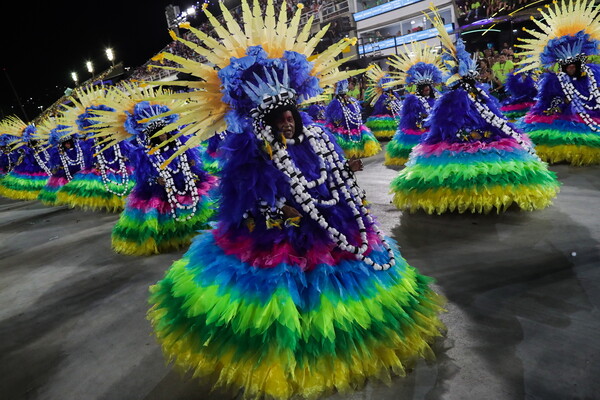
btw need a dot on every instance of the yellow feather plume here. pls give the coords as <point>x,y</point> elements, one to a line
<point>204,114</point>
<point>412,55</point>
<point>561,19</point>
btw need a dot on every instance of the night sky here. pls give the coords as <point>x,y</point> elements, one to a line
<point>43,43</point>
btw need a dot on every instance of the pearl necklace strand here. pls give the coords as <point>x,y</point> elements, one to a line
<point>167,174</point>
<point>67,161</point>
<point>338,180</point>
<point>581,102</point>
<point>395,106</point>
<point>491,118</point>
<point>120,171</point>
<point>42,163</point>
<point>352,117</point>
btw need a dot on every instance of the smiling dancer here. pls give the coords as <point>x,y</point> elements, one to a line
<point>296,283</point>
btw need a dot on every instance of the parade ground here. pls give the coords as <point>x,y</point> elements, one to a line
<point>523,310</point>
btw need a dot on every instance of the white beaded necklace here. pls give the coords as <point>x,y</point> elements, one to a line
<point>579,101</point>
<point>395,106</point>
<point>491,118</point>
<point>67,161</point>
<point>120,171</point>
<point>41,162</point>
<point>189,189</point>
<point>338,180</point>
<point>351,111</point>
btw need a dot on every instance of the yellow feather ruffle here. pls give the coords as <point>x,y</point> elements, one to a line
<point>438,201</point>
<point>573,154</point>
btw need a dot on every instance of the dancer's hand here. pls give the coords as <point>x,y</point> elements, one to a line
<point>290,212</point>
<point>355,165</point>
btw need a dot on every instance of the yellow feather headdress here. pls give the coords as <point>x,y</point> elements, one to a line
<point>110,126</point>
<point>377,80</point>
<point>569,31</point>
<point>406,69</point>
<point>15,126</point>
<point>455,59</point>
<point>74,114</point>
<point>205,112</point>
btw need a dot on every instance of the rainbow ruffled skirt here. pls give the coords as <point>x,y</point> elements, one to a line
<point>356,143</point>
<point>48,193</point>
<point>383,126</point>
<point>146,226</point>
<point>474,176</point>
<point>21,185</point>
<point>513,112</point>
<point>87,191</point>
<point>399,148</point>
<point>562,138</point>
<point>279,331</point>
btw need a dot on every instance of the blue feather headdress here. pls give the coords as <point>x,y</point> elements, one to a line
<point>61,133</point>
<point>569,32</point>
<point>143,120</point>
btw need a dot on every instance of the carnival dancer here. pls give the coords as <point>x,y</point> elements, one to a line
<point>344,119</point>
<point>522,90</point>
<point>472,158</point>
<point>106,180</point>
<point>31,171</point>
<point>385,116</point>
<point>66,159</point>
<point>421,68</point>
<point>8,157</point>
<point>169,203</point>
<point>296,292</point>
<point>316,111</point>
<point>564,123</point>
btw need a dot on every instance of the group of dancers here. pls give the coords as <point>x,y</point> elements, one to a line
<point>289,287</point>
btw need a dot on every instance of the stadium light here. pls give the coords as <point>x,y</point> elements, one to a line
<point>90,67</point>
<point>111,56</point>
<point>74,76</point>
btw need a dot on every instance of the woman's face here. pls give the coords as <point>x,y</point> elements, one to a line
<point>286,124</point>
<point>571,69</point>
<point>426,91</point>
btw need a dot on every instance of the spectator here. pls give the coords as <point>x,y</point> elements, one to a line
<point>500,69</point>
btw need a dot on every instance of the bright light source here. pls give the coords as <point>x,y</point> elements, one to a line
<point>89,66</point>
<point>74,76</point>
<point>191,11</point>
<point>412,22</point>
<point>110,55</point>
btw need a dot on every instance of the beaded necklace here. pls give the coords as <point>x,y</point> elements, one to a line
<point>67,161</point>
<point>341,183</point>
<point>581,102</point>
<point>121,170</point>
<point>167,174</point>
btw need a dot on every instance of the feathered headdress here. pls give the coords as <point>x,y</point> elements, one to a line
<point>47,132</point>
<point>15,126</point>
<point>416,66</point>
<point>378,83</point>
<point>263,52</point>
<point>455,58</point>
<point>76,116</point>
<point>341,87</point>
<point>133,112</point>
<point>570,32</point>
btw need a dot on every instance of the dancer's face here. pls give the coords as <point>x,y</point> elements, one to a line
<point>571,69</point>
<point>286,124</point>
<point>426,91</point>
